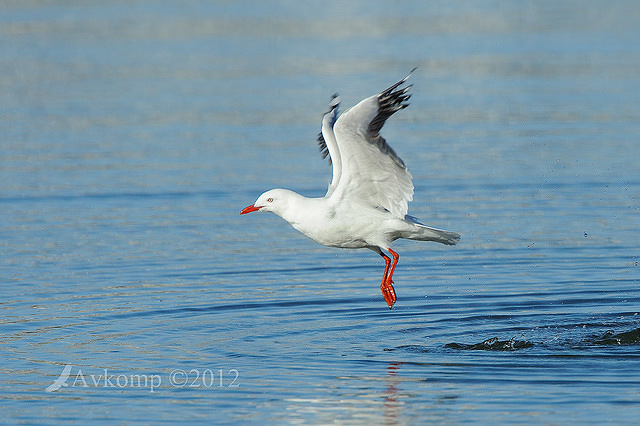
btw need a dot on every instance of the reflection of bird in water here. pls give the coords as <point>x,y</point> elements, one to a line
<point>391,405</point>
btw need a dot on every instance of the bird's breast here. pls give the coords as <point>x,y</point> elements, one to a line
<point>333,232</point>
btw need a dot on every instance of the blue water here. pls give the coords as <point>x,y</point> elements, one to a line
<point>132,134</point>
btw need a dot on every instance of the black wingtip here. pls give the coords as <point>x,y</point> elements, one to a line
<point>322,145</point>
<point>390,101</point>
<point>334,102</point>
<point>390,89</point>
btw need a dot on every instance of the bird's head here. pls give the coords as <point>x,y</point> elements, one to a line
<point>273,200</point>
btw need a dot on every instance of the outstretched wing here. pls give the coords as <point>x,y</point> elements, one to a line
<point>371,171</point>
<point>327,142</point>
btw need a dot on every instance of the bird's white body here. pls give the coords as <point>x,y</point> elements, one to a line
<point>347,225</point>
<point>367,200</point>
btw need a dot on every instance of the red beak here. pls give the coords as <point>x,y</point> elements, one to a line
<point>249,209</point>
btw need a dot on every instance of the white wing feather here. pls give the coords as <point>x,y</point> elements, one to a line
<point>328,144</point>
<point>370,170</point>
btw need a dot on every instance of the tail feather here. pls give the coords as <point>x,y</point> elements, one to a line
<point>438,235</point>
<point>422,232</point>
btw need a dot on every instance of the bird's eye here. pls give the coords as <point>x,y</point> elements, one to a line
<point>269,200</point>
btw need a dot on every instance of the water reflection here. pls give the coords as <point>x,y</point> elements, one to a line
<point>392,404</point>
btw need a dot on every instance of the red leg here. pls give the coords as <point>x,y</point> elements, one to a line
<point>396,256</point>
<point>388,292</point>
<point>387,261</point>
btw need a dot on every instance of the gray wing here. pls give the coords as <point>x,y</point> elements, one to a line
<point>371,170</point>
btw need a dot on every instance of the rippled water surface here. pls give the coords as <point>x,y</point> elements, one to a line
<point>132,134</point>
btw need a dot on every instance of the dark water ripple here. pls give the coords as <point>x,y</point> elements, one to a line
<point>493,344</point>
<point>610,337</point>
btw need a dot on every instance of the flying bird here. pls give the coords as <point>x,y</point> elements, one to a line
<point>367,201</point>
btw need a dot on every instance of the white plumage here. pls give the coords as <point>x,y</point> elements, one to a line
<point>367,201</point>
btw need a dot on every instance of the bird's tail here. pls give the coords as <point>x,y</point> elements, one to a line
<point>422,232</point>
